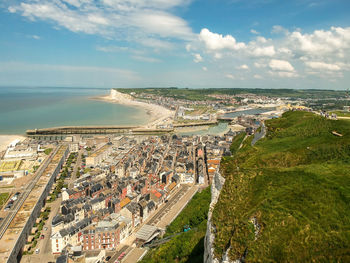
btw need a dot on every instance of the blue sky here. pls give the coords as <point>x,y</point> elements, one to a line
<point>184,43</point>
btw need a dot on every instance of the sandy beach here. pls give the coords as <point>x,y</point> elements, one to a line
<point>159,114</point>
<point>5,140</point>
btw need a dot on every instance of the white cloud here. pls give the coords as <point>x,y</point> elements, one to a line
<point>277,29</point>
<point>129,20</point>
<point>214,41</point>
<point>284,55</point>
<point>281,65</point>
<point>257,76</point>
<point>253,31</point>
<point>322,66</point>
<point>260,65</point>
<point>205,68</point>
<point>244,66</point>
<point>146,59</point>
<point>155,43</point>
<point>161,23</point>
<point>283,74</point>
<point>321,43</point>
<point>11,66</point>
<point>230,76</point>
<point>286,52</point>
<point>262,40</point>
<point>263,51</point>
<point>218,55</point>
<point>35,37</point>
<point>197,58</point>
<point>112,48</point>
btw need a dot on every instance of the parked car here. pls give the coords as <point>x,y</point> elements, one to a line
<point>37,251</point>
<point>42,237</point>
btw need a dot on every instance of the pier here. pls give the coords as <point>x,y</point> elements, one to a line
<point>192,124</point>
<point>58,132</point>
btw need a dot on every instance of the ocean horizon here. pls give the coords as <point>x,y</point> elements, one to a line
<point>23,108</point>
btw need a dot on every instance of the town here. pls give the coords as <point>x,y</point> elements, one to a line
<point>97,194</point>
<point>77,195</point>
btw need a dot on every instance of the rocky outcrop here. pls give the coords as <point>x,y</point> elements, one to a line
<point>216,187</point>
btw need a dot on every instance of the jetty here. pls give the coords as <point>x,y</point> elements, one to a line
<point>71,130</point>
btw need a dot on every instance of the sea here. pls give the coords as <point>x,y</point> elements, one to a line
<point>23,108</point>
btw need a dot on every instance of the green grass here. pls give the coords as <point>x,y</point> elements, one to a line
<point>48,151</point>
<point>296,183</point>
<point>236,142</point>
<point>189,246</point>
<point>3,199</point>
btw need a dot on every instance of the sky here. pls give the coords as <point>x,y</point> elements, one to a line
<point>297,44</point>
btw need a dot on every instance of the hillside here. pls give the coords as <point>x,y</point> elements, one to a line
<point>186,246</point>
<point>287,199</point>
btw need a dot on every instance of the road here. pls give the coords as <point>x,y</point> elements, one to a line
<point>259,135</point>
<point>45,244</point>
<point>23,196</point>
<point>165,209</point>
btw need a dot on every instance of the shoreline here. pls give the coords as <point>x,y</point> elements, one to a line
<point>6,139</point>
<point>157,113</point>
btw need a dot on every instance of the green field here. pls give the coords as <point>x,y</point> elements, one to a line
<point>189,246</point>
<point>296,184</point>
<point>3,198</point>
<point>202,94</point>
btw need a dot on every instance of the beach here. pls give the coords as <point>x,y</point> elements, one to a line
<point>5,140</point>
<point>158,114</point>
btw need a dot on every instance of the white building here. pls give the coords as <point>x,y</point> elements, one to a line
<point>98,156</point>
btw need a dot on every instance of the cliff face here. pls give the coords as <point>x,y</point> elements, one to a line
<point>216,187</point>
<point>116,95</point>
<point>286,198</point>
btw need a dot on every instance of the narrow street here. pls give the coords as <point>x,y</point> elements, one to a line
<point>45,244</point>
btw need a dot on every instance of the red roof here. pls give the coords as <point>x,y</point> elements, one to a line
<point>156,193</point>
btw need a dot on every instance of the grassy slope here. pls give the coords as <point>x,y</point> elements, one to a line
<point>189,246</point>
<point>3,198</point>
<point>296,182</point>
<point>236,142</point>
